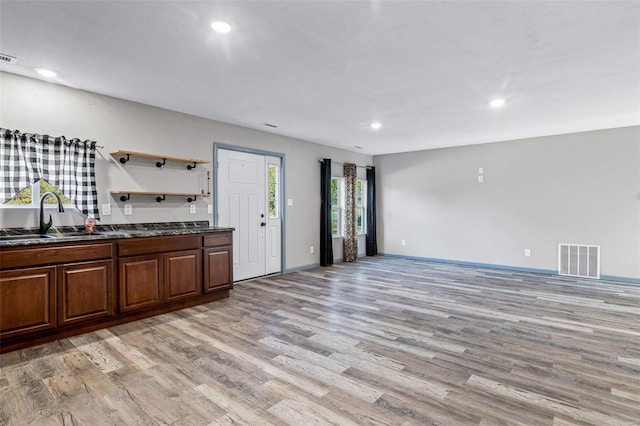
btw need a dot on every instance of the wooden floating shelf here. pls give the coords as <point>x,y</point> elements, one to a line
<point>125,156</point>
<point>161,196</point>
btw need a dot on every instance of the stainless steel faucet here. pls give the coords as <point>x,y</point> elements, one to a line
<point>44,227</point>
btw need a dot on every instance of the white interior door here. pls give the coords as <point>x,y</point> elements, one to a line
<point>244,204</point>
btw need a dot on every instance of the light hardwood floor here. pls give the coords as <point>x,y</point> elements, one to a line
<point>381,341</point>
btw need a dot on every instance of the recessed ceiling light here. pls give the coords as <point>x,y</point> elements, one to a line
<point>45,73</point>
<point>221,27</point>
<point>376,125</point>
<point>497,103</point>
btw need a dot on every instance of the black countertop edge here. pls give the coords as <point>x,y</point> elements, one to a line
<point>27,237</point>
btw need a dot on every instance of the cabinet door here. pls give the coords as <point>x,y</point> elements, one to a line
<point>27,301</point>
<point>182,274</point>
<point>85,291</point>
<point>140,282</point>
<point>218,268</point>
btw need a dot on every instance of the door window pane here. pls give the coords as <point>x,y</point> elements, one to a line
<point>274,190</point>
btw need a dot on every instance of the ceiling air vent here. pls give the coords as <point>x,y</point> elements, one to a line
<point>7,59</point>
<point>579,260</point>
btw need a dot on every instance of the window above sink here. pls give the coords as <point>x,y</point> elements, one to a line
<point>29,197</point>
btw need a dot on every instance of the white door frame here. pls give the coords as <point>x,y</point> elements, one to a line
<point>216,147</point>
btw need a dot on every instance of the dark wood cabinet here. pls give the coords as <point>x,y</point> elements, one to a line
<point>182,275</point>
<point>218,269</point>
<point>217,256</point>
<point>27,301</point>
<point>140,282</point>
<point>159,275</point>
<point>85,291</point>
<point>50,291</point>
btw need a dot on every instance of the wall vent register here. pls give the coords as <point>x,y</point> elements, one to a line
<point>8,59</point>
<point>578,260</point>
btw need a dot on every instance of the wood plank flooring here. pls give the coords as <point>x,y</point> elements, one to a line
<point>382,341</point>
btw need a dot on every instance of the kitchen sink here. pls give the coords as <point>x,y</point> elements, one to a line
<point>23,237</point>
<point>72,234</point>
<point>19,237</point>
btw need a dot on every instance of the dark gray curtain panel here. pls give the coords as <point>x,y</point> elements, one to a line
<point>372,241</point>
<point>326,239</point>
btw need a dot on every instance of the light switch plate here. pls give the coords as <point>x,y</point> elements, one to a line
<point>128,209</point>
<point>289,202</point>
<point>210,209</point>
<point>192,208</point>
<point>527,252</point>
<point>106,210</point>
<point>480,170</point>
<point>480,179</point>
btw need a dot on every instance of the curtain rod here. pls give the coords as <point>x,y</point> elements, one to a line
<point>340,162</point>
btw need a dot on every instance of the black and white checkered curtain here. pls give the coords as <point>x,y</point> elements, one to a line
<point>68,164</point>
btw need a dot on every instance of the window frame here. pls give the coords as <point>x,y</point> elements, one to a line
<point>340,207</point>
<point>362,206</point>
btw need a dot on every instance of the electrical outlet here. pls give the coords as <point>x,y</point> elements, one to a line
<point>128,209</point>
<point>527,252</point>
<point>404,243</point>
<point>106,210</point>
<point>311,249</point>
<point>192,208</point>
<point>480,179</point>
<point>480,170</point>
<point>210,209</point>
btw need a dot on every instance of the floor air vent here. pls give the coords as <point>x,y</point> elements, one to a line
<point>579,260</point>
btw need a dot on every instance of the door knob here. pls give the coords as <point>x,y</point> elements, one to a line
<point>263,223</point>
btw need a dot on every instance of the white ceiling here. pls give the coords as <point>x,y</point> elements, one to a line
<point>324,70</point>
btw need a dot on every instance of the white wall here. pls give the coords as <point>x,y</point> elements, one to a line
<point>576,188</point>
<point>35,106</point>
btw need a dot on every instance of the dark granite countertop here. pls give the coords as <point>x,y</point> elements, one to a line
<point>16,237</point>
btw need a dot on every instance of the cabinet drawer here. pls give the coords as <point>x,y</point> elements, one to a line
<point>54,254</point>
<point>221,239</point>
<point>137,246</point>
